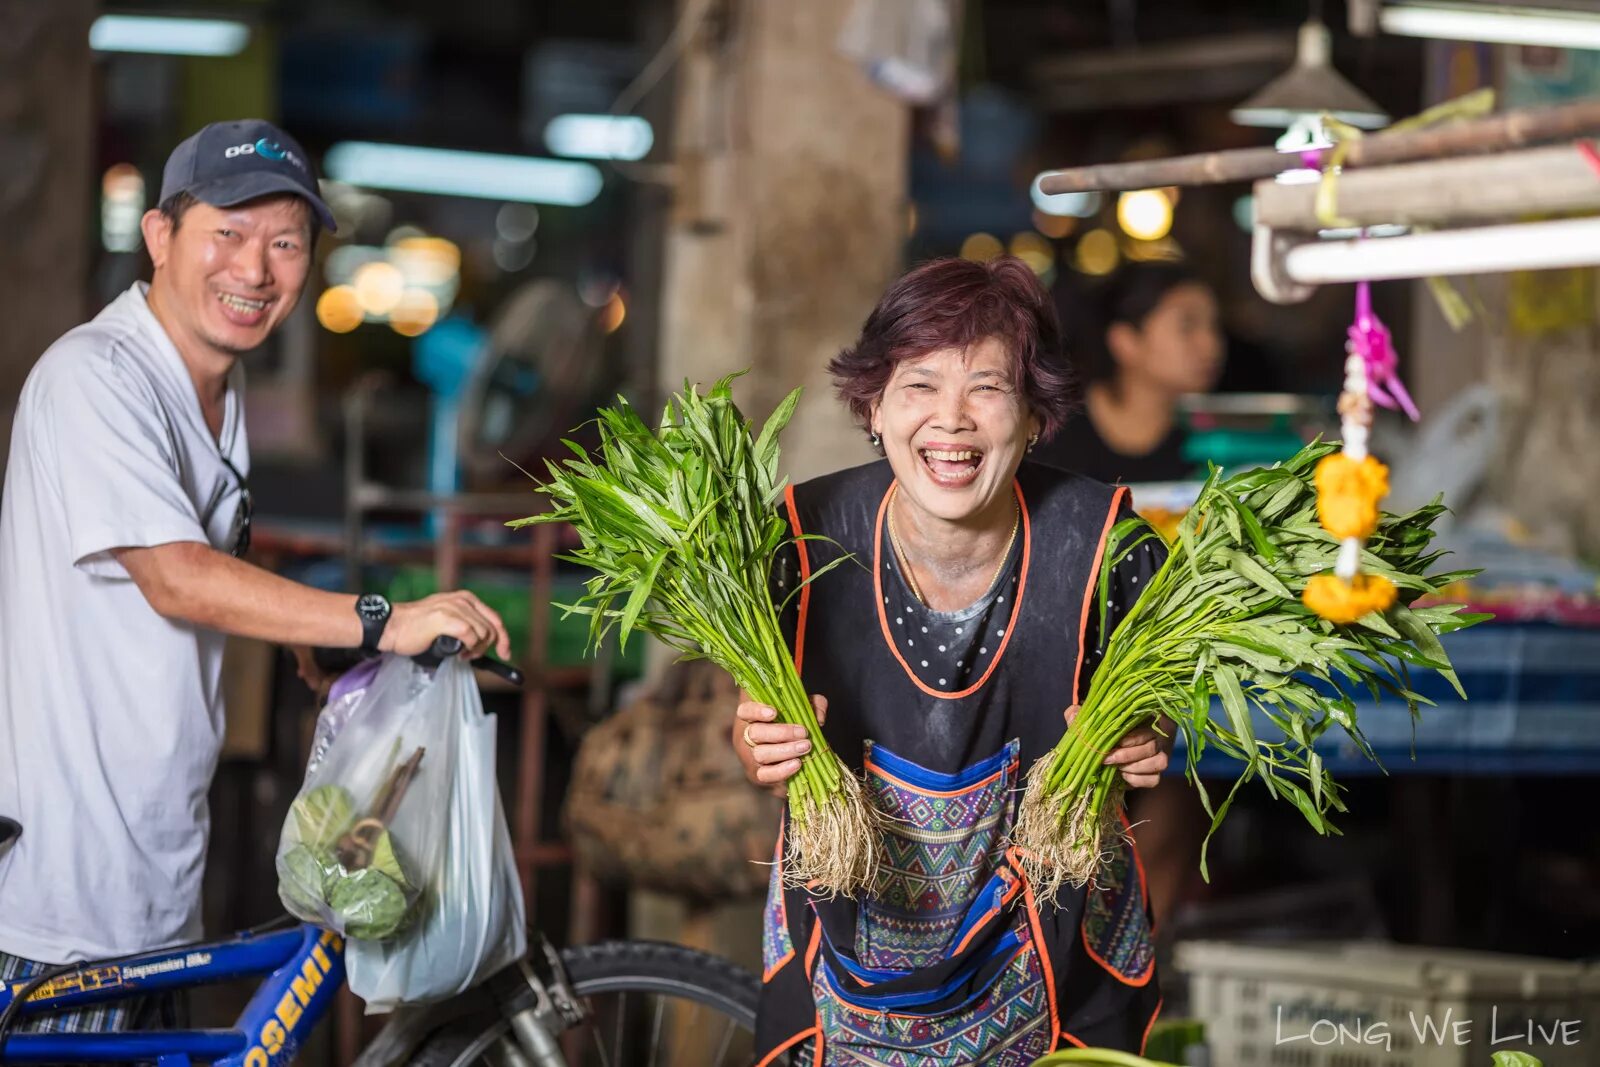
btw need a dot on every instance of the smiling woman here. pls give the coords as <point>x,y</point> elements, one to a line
<point>955,304</point>
<point>955,422</point>
<point>947,661</point>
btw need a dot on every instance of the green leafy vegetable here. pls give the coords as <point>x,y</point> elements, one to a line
<point>323,814</point>
<point>302,874</point>
<point>680,528</point>
<point>384,859</point>
<point>1095,1057</point>
<point>368,904</point>
<point>1509,1058</point>
<point>1222,618</point>
<point>332,879</point>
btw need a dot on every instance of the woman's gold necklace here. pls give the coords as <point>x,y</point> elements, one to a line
<point>905,567</point>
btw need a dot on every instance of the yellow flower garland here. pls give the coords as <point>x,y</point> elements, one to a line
<point>1344,602</point>
<point>1348,492</point>
<point>1350,485</point>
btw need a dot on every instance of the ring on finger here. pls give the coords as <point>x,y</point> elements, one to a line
<point>747,740</point>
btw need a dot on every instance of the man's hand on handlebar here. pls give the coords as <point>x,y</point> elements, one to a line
<point>413,625</point>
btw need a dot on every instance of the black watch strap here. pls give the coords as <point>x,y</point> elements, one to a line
<point>373,611</point>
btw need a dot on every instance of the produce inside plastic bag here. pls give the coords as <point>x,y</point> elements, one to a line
<point>365,833</point>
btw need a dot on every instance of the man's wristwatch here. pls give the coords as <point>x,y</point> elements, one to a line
<point>374,612</point>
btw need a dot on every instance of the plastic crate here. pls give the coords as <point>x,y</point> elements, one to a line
<point>1174,1040</point>
<point>1373,1004</point>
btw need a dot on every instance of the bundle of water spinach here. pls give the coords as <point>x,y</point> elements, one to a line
<point>680,527</point>
<point>1223,618</point>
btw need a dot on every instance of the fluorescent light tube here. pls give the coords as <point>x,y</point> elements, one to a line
<point>1554,245</point>
<point>168,36</point>
<point>446,172</point>
<point>627,137</point>
<point>1078,205</point>
<point>1496,24</point>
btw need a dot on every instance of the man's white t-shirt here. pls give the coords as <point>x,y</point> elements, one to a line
<point>110,715</point>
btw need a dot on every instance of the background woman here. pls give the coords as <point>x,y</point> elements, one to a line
<point>949,658</point>
<point>1154,338</point>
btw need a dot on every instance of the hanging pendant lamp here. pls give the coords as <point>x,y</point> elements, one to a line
<point>1310,88</point>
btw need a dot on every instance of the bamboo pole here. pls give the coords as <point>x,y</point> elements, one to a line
<point>1555,180</point>
<point>1513,129</point>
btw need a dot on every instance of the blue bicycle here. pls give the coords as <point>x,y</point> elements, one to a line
<point>613,1003</point>
<point>608,1004</point>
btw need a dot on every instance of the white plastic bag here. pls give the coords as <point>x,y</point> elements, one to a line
<point>472,922</point>
<point>908,47</point>
<point>365,834</point>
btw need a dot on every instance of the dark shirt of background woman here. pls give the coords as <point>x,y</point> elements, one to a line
<point>1079,448</point>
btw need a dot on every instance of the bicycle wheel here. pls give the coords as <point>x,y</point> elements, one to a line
<point>650,1004</point>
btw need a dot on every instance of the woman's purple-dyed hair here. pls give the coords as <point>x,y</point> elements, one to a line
<point>955,303</point>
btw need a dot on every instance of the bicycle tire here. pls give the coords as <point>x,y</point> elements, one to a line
<point>657,966</point>
<point>613,967</point>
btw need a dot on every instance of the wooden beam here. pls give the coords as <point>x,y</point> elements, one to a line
<point>1555,180</point>
<point>1209,68</point>
<point>1513,129</point>
<point>1272,50</point>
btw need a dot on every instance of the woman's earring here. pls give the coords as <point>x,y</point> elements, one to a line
<point>876,438</point>
<point>1033,439</point>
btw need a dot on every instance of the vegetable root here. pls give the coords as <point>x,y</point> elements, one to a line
<point>1061,838</point>
<point>835,842</point>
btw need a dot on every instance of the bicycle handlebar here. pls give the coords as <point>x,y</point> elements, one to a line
<point>445,646</point>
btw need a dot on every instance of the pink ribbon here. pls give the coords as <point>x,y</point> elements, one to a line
<point>1590,156</point>
<point>1370,339</point>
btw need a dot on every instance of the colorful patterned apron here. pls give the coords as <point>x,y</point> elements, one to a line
<point>951,960</point>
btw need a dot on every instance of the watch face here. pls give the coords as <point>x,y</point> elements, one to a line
<point>372,607</point>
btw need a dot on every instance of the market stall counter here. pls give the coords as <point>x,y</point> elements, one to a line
<point>1532,707</point>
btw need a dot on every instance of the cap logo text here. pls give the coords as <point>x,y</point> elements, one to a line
<point>266,150</point>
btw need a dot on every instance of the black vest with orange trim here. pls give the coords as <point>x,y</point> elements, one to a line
<point>951,959</point>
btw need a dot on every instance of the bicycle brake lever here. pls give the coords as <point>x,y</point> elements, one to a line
<point>445,646</point>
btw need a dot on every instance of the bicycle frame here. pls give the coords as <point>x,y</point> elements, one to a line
<point>304,968</point>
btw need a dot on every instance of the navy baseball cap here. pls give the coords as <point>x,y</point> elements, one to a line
<point>227,163</point>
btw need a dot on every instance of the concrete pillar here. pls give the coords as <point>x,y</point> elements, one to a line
<point>46,125</point>
<point>789,213</point>
<point>788,220</point>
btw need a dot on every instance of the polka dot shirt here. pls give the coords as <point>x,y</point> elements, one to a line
<point>950,650</point>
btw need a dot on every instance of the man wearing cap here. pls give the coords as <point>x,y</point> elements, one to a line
<point>125,512</point>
